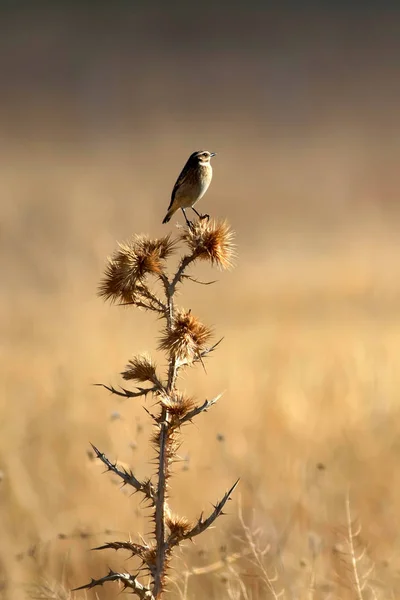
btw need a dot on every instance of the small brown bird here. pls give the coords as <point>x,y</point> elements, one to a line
<point>191,184</point>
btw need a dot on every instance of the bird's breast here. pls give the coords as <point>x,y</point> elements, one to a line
<point>205,173</point>
<point>204,179</point>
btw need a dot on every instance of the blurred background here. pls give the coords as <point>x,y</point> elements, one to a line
<point>100,106</point>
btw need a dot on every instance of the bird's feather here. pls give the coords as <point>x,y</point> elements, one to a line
<point>179,181</point>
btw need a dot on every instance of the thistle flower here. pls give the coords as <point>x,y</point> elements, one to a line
<point>149,558</point>
<point>178,526</point>
<point>129,266</point>
<point>178,405</point>
<point>187,338</point>
<point>141,368</point>
<point>212,241</point>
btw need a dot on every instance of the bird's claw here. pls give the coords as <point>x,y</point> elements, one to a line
<point>204,217</point>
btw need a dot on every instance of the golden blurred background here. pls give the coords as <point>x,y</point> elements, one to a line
<point>100,106</point>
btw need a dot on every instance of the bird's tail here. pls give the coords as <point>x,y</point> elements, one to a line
<point>169,214</point>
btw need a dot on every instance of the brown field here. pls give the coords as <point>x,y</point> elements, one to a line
<point>309,365</point>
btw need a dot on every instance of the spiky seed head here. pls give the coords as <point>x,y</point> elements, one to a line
<point>211,240</point>
<point>141,368</point>
<point>178,526</point>
<point>129,266</point>
<point>187,338</point>
<point>178,404</point>
<point>149,557</point>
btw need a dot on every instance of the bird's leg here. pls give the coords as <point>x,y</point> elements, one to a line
<point>201,217</point>
<point>188,223</point>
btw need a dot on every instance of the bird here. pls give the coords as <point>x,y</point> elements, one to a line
<point>191,185</point>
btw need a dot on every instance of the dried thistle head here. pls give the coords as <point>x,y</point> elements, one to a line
<point>212,241</point>
<point>129,266</point>
<point>178,405</point>
<point>149,558</point>
<point>178,526</point>
<point>187,338</point>
<point>141,368</point>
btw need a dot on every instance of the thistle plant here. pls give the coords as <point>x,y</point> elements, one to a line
<point>137,275</point>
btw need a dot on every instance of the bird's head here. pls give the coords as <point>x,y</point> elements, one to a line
<point>202,157</point>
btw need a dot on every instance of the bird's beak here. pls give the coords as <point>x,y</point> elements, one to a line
<point>213,154</point>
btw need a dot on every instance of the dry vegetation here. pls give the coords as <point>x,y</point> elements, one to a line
<point>309,365</point>
<point>131,277</point>
<point>99,108</point>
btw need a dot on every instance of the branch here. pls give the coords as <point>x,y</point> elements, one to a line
<point>166,284</point>
<point>141,304</point>
<point>153,303</point>
<point>145,552</point>
<point>128,478</point>
<point>199,409</point>
<point>160,505</point>
<point>194,280</point>
<point>185,262</point>
<point>127,393</point>
<point>201,525</point>
<point>169,308</point>
<point>199,357</point>
<point>150,296</point>
<point>207,351</point>
<point>135,549</point>
<point>162,472</point>
<point>127,580</point>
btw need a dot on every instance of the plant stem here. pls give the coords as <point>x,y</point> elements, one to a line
<point>178,275</point>
<point>160,508</point>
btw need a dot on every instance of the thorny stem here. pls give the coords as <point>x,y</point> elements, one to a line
<point>127,393</point>
<point>153,298</point>
<point>169,309</point>
<point>156,555</point>
<point>127,477</point>
<point>185,262</point>
<point>159,512</point>
<point>160,509</point>
<point>153,303</point>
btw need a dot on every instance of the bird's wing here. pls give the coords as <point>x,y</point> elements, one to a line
<point>179,182</point>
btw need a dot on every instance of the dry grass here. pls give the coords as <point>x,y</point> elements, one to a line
<point>309,364</point>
